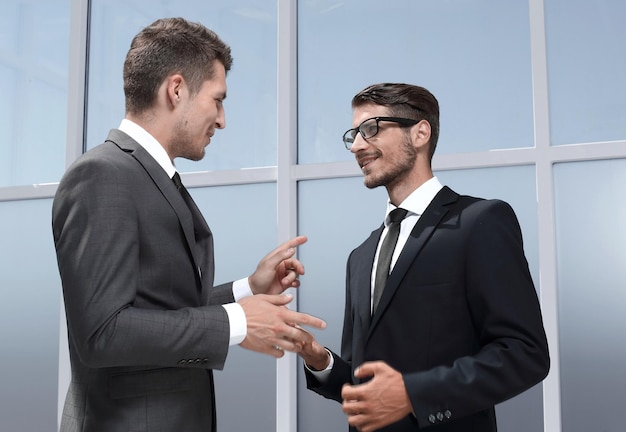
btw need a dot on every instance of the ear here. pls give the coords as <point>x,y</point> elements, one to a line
<point>175,87</point>
<point>420,133</point>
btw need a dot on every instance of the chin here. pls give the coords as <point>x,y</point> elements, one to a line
<point>200,155</point>
<point>195,157</point>
<point>372,183</point>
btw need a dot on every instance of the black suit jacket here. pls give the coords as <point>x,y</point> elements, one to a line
<point>459,318</point>
<point>144,320</point>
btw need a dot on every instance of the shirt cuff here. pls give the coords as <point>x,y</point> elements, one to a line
<point>236,315</point>
<point>237,321</point>
<point>322,375</point>
<point>241,289</point>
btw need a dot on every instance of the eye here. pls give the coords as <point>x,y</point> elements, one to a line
<point>369,128</point>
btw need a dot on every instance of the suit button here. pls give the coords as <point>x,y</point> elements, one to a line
<point>182,362</point>
<point>439,416</point>
<point>190,361</point>
<point>432,419</point>
<point>448,414</point>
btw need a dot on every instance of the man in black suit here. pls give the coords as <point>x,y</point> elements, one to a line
<point>458,327</point>
<point>145,324</point>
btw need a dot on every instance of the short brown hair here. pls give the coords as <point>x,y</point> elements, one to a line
<point>167,46</point>
<point>404,100</point>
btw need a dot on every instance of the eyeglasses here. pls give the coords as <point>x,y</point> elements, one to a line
<point>369,128</point>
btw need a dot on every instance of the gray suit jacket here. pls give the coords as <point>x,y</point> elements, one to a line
<point>144,320</point>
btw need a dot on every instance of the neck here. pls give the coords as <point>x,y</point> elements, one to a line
<point>159,128</point>
<point>398,192</point>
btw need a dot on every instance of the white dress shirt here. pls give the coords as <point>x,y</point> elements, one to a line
<point>241,287</point>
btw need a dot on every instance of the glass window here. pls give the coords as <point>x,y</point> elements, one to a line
<point>591,252</point>
<point>243,222</point>
<point>30,288</point>
<point>248,26</point>
<point>34,50</point>
<point>586,63</point>
<point>473,56</point>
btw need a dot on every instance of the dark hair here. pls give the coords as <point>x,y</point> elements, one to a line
<point>404,100</point>
<point>167,46</point>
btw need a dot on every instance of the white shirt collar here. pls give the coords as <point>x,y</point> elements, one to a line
<point>418,200</point>
<point>149,143</point>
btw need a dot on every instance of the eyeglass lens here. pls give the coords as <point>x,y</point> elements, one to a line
<point>367,129</point>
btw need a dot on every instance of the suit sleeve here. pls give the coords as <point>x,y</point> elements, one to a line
<point>512,352</point>
<point>97,233</point>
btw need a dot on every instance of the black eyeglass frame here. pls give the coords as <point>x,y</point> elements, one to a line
<point>350,134</point>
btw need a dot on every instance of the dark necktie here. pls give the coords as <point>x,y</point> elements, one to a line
<point>189,201</point>
<point>202,233</point>
<point>177,181</point>
<point>386,252</point>
<point>183,191</point>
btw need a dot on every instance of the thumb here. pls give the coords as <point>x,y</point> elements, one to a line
<point>367,369</point>
<point>280,299</point>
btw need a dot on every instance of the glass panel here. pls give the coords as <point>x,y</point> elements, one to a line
<point>248,26</point>
<point>29,317</point>
<point>586,63</point>
<point>34,48</point>
<point>591,251</point>
<point>331,239</point>
<point>248,381</point>
<point>473,56</point>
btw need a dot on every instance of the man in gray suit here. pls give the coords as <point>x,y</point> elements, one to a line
<point>146,325</point>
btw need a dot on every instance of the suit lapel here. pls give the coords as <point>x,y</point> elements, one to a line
<point>364,290</point>
<point>167,188</point>
<point>420,234</point>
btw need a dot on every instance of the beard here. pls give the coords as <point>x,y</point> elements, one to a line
<point>182,143</point>
<point>404,165</point>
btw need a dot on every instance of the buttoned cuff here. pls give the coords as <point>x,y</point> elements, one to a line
<point>322,375</point>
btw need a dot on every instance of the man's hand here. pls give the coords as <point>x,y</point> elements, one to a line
<point>273,328</point>
<point>379,402</point>
<point>278,270</point>
<point>314,355</point>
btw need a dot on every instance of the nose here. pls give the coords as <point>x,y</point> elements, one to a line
<point>358,144</point>
<point>220,120</point>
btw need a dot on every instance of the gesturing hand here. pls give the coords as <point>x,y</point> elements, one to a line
<point>278,270</point>
<point>272,327</point>
<point>379,402</point>
<point>314,355</point>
